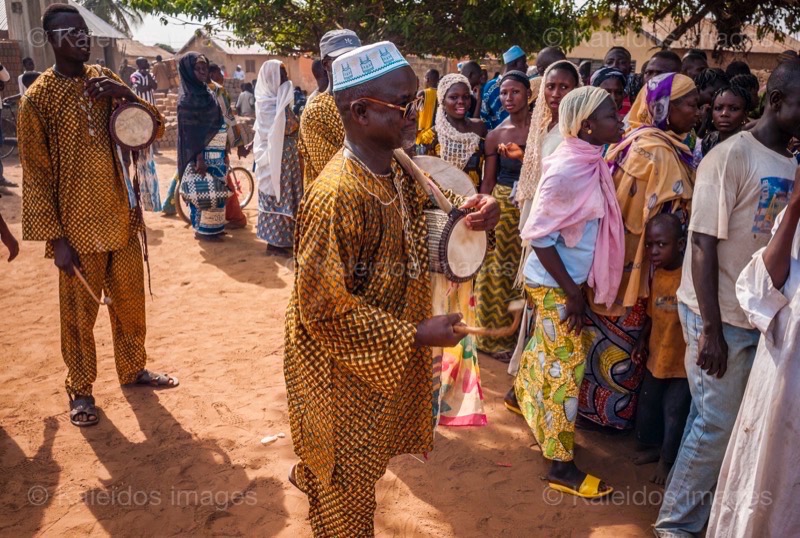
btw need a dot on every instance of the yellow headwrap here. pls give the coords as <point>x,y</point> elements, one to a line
<point>577,106</point>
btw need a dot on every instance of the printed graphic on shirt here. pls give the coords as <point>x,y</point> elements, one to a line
<point>775,193</point>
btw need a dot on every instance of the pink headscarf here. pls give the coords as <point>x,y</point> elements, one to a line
<point>576,187</point>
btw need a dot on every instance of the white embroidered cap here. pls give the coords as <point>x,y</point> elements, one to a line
<point>366,63</point>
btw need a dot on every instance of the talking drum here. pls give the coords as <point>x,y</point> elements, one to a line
<point>133,127</point>
<point>454,250</point>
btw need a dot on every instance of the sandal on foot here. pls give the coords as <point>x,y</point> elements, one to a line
<point>146,377</point>
<point>511,403</point>
<point>292,476</point>
<point>83,405</point>
<point>589,488</point>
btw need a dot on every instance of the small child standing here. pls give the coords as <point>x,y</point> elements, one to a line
<point>664,399</point>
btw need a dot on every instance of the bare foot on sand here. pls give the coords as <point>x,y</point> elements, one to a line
<point>660,476</point>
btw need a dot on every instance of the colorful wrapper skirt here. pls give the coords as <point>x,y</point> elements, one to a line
<point>458,398</point>
<point>494,286</point>
<point>610,390</point>
<point>551,369</point>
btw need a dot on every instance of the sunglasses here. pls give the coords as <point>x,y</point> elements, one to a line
<point>413,106</point>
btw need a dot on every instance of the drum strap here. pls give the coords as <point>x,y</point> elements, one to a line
<point>135,199</point>
<point>427,184</point>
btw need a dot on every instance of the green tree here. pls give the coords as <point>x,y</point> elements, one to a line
<point>771,17</point>
<point>448,27</point>
<point>120,15</point>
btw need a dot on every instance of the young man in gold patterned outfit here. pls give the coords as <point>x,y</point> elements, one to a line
<point>76,199</point>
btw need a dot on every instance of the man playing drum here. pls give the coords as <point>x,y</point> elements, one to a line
<point>359,328</point>
<point>76,199</point>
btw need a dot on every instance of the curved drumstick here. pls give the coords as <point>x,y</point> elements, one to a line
<point>516,307</point>
<point>422,178</point>
<point>106,300</point>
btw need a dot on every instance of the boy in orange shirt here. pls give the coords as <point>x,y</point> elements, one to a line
<point>664,399</point>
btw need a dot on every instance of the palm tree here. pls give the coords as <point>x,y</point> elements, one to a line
<point>117,14</point>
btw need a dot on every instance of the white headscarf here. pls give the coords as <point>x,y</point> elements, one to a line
<point>272,98</point>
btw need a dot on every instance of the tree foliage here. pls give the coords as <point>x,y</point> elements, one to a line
<point>448,27</point>
<point>118,14</point>
<point>772,18</point>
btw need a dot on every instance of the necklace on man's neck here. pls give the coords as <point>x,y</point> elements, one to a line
<point>350,154</point>
<point>59,73</point>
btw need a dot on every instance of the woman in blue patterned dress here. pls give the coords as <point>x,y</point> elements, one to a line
<point>278,172</point>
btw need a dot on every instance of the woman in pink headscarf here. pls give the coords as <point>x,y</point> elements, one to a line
<point>575,229</point>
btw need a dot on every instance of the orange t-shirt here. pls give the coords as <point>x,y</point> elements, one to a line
<point>667,347</point>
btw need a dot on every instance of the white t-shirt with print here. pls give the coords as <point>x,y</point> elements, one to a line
<point>741,188</point>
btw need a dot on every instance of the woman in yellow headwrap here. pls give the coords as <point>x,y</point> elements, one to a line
<point>653,173</point>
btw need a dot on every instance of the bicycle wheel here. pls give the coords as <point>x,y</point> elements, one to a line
<point>9,125</point>
<point>181,207</point>
<point>243,184</point>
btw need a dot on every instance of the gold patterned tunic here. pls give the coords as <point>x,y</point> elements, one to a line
<point>359,392</point>
<point>72,181</point>
<point>321,135</point>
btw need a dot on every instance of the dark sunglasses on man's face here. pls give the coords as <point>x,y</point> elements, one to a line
<point>413,106</point>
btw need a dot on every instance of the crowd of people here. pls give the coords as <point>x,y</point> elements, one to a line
<point>647,219</point>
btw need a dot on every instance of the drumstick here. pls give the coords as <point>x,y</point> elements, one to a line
<point>427,183</point>
<point>516,307</point>
<point>106,300</point>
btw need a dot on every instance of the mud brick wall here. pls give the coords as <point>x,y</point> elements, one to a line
<point>11,58</point>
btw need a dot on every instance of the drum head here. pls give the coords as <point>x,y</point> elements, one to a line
<point>133,127</point>
<point>446,175</point>
<point>466,250</point>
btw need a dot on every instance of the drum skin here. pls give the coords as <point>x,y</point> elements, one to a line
<point>454,250</point>
<point>133,127</point>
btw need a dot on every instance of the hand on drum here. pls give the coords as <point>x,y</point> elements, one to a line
<point>437,331</point>
<point>486,214</point>
<point>99,87</point>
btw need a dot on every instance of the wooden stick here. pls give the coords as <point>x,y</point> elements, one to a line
<point>516,307</point>
<point>105,301</point>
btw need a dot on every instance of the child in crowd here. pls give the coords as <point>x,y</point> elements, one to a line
<point>664,398</point>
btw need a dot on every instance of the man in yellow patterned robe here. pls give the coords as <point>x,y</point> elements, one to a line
<point>76,199</point>
<point>359,328</point>
<point>321,129</point>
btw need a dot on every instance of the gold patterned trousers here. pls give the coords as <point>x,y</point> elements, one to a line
<point>121,275</point>
<point>347,508</point>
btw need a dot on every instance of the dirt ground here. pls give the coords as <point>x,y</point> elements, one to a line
<point>189,461</point>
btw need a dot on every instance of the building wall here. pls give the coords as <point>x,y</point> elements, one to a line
<point>595,47</point>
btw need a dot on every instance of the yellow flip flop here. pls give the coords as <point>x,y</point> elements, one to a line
<point>589,489</point>
<point>513,409</point>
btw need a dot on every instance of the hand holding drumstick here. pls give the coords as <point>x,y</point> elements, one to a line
<point>66,259</point>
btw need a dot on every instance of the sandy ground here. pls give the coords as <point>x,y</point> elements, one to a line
<point>189,462</point>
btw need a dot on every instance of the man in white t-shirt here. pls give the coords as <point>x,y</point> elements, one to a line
<point>28,66</point>
<point>741,187</point>
<point>238,74</point>
<point>245,104</point>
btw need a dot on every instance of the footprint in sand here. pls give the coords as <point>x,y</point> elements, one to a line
<point>227,416</point>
